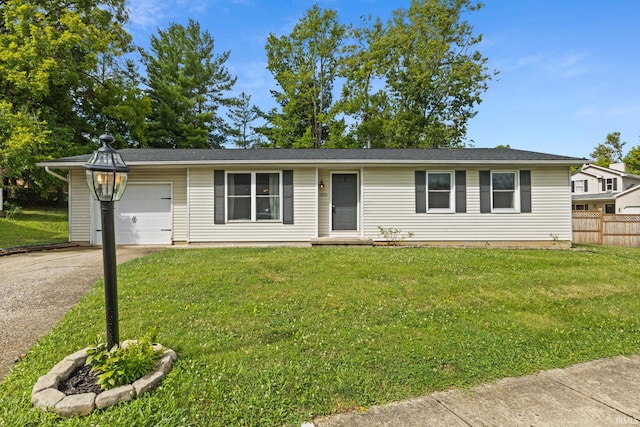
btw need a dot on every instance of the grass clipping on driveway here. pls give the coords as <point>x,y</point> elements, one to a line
<point>277,336</point>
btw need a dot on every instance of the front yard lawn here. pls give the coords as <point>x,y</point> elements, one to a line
<point>277,336</point>
<point>34,226</point>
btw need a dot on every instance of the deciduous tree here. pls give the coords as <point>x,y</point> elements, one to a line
<point>305,65</point>
<point>434,76</point>
<point>49,53</point>
<point>608,152</point>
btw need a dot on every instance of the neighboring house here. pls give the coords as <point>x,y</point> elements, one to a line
<point>472,196</point>
<point>611,189</point>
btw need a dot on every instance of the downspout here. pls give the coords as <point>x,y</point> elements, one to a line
<point>52,173</point>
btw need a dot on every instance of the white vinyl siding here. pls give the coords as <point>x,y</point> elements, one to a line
<point>80,206</point>
<point>201,212</point>
<point>389,201</point>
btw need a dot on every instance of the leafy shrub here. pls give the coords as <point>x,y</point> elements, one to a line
<point>394,235</point>
<point>122,365</point>
<point>11,210</point>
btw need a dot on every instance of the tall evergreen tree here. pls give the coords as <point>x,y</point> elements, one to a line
<point>241,116</point>
<point>187,83</point>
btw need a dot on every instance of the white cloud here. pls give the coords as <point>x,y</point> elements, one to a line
<point>146,14</point>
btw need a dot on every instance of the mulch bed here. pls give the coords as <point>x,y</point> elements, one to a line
<point>82,380</point>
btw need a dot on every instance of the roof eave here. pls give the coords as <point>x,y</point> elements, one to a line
<point>321,162</point>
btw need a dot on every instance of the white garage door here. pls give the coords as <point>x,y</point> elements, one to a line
<point>632,210</point>
<point>142,216</point>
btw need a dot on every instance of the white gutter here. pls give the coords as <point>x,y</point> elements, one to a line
<point>52,173</point>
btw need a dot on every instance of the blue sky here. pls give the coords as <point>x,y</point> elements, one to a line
<point>569,70</point>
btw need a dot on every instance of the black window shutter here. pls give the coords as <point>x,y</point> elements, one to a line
<point>604,184</point>
<point>287,197</point>
<point>525,191</point>
<point>218,197</point>
<point>573,187</point>
<point>421,192</point>
<point>461,191</point>
<point>586,185</point>
<point>485,191</point>
<point>615,184</point>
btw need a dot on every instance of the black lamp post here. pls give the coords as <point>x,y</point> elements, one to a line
<point>107,179</point>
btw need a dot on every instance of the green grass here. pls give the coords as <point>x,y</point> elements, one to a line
<point>32,227</point>
<point>276,336</point>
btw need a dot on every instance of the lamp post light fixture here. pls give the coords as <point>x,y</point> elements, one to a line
<point>107,178</point>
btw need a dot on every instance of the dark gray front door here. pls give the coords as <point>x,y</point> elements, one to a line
<point>344,188</point>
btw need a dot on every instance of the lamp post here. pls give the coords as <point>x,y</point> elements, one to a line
<point>107,178</point>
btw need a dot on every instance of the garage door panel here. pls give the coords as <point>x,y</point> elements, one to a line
<point>143,216</point>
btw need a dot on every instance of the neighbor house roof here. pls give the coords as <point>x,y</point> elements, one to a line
<point>594,197</point>
<point>168,157</point>
<point>585,169</point>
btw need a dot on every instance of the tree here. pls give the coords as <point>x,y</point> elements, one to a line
<point>305,65</point>
<point>116,103</point>
<point>433,76</point>
<point>608,152</point>
<point>241,117</point>
<point>187,83</point>
<point>632,160</point>
<point>363,73</point>
<point>49,52</point>
<point>412,82</point>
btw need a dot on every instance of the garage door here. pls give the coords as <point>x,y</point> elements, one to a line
<point>632,210</point>
<point>142,216</point>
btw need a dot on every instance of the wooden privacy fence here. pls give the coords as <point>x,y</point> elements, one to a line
<point>598,228</point>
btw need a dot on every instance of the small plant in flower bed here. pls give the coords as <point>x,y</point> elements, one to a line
<point>122,365</point>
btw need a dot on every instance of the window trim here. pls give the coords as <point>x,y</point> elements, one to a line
<point>253,196</point>
<point>515,191</point>
<point>452,191</point>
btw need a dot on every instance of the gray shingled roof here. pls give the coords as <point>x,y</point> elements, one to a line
<point>200,156</point>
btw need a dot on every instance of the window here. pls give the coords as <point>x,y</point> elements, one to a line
<point>581,207</point>
<point>253,196</point>
<point>505,191</point>
<point>503,188</point>
<point>267,196</point>
<point>609,208</point>
<point>610,184</point>
<point>439,193</point>
<point>579,186</point>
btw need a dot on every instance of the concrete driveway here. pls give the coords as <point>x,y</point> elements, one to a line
<point>38,288</point>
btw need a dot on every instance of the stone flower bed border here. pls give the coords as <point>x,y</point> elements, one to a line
<point>46,396</point>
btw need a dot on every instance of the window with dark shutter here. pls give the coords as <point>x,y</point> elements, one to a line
<point>218,197</point>
<point>485,191</point>
<point>421,192</point>
<point>525,191</point>
<point>461,191</point>
<point>287,197</point>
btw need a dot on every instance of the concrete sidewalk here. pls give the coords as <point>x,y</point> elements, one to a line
<point>603,392</point>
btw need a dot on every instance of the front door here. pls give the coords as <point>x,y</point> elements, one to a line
<point>344,195</point>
